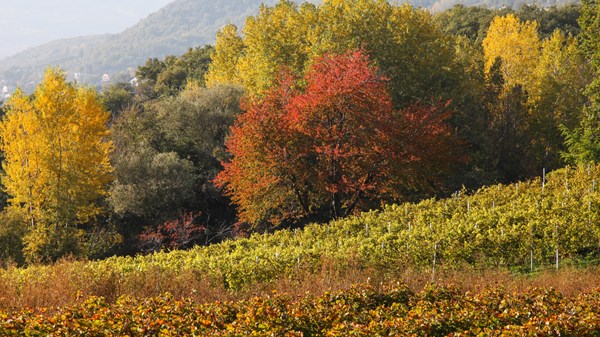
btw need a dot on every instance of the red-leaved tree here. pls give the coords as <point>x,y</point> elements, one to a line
<point>336,143</point>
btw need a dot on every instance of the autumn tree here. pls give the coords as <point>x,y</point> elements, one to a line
<point>536,88</point>
<point>327,149</point>
<point>224,58</point>
<point>56,154</point>
<point>517,45</point>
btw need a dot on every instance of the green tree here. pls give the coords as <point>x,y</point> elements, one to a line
<point>117,97</point>
<point>12,233</point>
<point>471,22</point>
<point>147,75</point>
<point>583,142</point>
<point>150,184</point>
<point>164,78</point>
<point>168,151</point>
<point>557,97</point>
<point>563,18</point>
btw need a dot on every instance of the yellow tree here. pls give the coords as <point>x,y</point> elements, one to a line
<point>224,59</point>
<point>516,45</point>
<point>274,38</point>
<point>541,86</point>
<point>56,152</point>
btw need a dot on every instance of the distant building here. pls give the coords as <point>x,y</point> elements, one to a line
<point>134,82</point>
<point>4,93</point>
<point>105,78</point>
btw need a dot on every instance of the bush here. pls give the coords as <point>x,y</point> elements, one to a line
<point>174,234</point>
<point>12,230</point>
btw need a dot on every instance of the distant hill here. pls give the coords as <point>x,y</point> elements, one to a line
<point>441,5</point>
<point>170,31</point>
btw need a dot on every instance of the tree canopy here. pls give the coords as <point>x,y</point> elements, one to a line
<point>325,150</point>
<point>56,162</point>
<point>56,151</point>
<point>403,41</point>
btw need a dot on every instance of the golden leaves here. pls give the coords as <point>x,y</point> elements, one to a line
<point>56,151</point>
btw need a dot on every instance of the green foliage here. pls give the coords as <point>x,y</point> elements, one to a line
<point>13,227</point>
<point>196,123</point>
<point>49,243</point>
<point>502,226</point>
<point>473,21</point>
<point>563,18</point>
<point>149,184</point>
<point>168,151</point>
<point>117,97</point>
<point>46,243</point>
<point>582,141</point>
<point>162,78</point>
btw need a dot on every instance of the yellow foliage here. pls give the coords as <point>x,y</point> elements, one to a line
<point>517,45</point>
<point>275,37</point>
<point>224,58</point>
<point>56,151</point>
<point>403,41</point>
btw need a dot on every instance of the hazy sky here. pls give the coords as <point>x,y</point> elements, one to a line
<point>28,23</point>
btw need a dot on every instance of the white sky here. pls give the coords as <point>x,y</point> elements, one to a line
<point>28,23</point>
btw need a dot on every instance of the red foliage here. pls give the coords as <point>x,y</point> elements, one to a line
<point>173,234</point>
<point>337,142</point>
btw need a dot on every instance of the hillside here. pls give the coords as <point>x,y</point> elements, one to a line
<point>527,227</point>
<point>170,31</point>
<point>440,5</point>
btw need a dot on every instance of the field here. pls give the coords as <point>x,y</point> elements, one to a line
<point>360,311</point>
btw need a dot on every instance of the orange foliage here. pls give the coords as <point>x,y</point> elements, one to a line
<point>325,149</point>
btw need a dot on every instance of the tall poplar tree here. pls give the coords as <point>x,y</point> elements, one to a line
<point>56,152</point>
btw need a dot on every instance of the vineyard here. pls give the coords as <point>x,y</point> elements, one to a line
<point>361,311</point>
<point>537,225</point>
<point>531,226</point>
